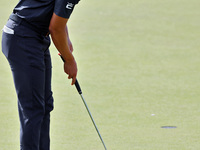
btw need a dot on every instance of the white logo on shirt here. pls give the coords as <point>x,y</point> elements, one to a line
<point>69,5</point>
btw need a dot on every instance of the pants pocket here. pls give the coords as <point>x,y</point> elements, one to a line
<point>6,43</point>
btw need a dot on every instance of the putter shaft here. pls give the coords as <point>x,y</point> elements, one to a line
<point>93,120</point>
<point>80,92</point>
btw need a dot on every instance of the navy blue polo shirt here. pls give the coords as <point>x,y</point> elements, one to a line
<point>39,12</point>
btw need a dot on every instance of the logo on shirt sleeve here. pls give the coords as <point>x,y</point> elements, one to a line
<point>69,5</point>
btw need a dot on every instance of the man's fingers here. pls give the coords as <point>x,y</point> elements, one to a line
<point>70,68</point>
<point>73,80</point>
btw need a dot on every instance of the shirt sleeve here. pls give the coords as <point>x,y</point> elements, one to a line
<point>64,8</point>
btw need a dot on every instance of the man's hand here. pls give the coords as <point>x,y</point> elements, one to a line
<point>70,68</point>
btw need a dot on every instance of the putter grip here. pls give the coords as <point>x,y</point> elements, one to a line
<point>76,83</point>
<point>78,87</point>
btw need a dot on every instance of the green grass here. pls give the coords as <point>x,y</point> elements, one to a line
<point>135,58</point>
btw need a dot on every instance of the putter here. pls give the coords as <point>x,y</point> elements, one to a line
<point>81,94</point>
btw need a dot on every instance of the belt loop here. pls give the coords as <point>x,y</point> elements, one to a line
<point>15,18</point>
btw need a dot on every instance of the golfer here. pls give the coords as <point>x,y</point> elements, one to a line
<point>25,43</point>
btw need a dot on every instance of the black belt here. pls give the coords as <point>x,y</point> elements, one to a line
<point>22,21</point>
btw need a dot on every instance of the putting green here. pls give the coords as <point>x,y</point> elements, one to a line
<point>139,68</point>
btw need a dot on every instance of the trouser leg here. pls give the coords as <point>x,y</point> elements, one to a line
<point>27,61</point>
<point>44,135</point>
<point>30,104</point>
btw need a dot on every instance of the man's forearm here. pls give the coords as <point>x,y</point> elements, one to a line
<point>59,36</point>
<point>68,40</point>
<point>60,39</point>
